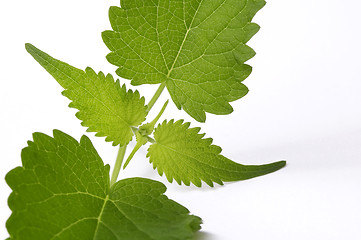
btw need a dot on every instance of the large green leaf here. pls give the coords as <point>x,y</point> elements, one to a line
<point>62,192</point>
<point>104,106</point>
<point>184,155</point>
<point>198,47</point>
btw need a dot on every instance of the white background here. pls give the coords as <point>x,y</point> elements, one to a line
<point>303,106</point>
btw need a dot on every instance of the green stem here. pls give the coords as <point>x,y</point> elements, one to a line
<point>156,96</point>
<point>150,139</point>
<point>135,149</point>
<point>155,120</point>
<point>118,164</point>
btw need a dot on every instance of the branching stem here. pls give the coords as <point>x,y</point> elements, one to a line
<point>141,139</point>
<point>135,149</point>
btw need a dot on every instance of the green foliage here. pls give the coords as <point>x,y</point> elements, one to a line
<point>184,155</point>
<point>104,106</point>
<point>197,47</point>
<point>62,192</point>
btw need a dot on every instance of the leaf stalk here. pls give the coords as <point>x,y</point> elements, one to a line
<point>155,96</point>
<point>155,120</point>
<point>118,164</point>
<point>141,140</point>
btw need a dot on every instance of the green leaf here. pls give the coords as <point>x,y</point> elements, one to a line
<point>104,106</point>
<point>184,155</point>
<point>62,192</point>
<point>197,47</point>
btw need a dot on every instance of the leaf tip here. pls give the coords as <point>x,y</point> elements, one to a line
<point>84,140</point>
<point>28,46</point>
<point>282,163</point>
<point>195,223</point>
<point>11,175</point>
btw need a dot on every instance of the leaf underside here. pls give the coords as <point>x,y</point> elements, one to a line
<point>198,47</point>
<point>62,192</point>
<point>104,106</point>
<point>185,156</point>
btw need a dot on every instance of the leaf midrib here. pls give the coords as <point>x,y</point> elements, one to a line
<point>184,39</point>
<point>86,90</point>
<point>192,157</point>
<point>190,27</point>
<point>195,159</point>
<point>100,215</point>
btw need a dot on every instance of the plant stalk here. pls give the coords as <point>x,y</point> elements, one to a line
<point>155,120</point>
<point>155,96</point>
<point>135,149</point>
<point>118,164</point>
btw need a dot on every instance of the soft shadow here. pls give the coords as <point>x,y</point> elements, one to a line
<point>192,188</point>
<point>201,235</point>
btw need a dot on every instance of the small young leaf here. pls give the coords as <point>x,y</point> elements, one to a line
<point>62,192</point>
<point>104,106</point>
<point>197,47</point>
<point>184,155</point>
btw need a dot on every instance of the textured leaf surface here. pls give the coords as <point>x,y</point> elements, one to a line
<point>104,106</point>
<point>62,192</point>
<point>184,155</point>
<point>198,47</point>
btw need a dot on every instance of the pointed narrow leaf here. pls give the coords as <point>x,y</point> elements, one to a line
<point>104,106</point>
<point>62,192</point>
<point>197,47</point>
<point>184,155</point>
